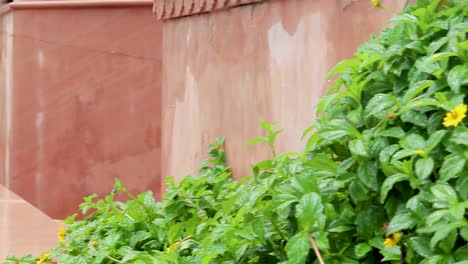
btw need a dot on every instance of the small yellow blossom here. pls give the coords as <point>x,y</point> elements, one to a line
<point>419,152</point>
<point>94,243</point>
<point>43,258</point>
<point>393,240</point>
<point>390,242</point>
<point>454,117</point>
<point>61,233</point>
<point>376,3</point>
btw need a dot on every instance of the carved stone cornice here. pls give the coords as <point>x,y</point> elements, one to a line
<point>167,9</point>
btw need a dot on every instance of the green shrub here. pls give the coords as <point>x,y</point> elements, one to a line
<point>383,177</point>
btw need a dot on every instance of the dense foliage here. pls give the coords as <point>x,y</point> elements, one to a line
<point>383,177</point>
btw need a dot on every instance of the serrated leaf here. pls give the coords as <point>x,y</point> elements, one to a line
<point>297,248</point>
<point>308,210</point>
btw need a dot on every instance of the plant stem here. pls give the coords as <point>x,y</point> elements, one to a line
<point>113,259</point>
<point>316,250</point>
<point>138,201</point>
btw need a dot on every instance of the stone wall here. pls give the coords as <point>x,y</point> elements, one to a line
<point>80,93</point>
<point>225,71</point>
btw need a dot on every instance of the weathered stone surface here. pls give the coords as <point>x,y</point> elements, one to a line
<point>226,71</point>
<point>80,94</point>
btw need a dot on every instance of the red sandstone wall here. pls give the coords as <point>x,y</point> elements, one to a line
<point>226,71</point>
<point>84,92</point>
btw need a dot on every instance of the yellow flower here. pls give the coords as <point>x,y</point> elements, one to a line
<point>94,243</point>
<point>43,258</point>
<point>61,233</point>
<point>419,152</point>
<point>390,242</point>
<point>454,117</point>
<point>376,3</point>
<point>393,240</point>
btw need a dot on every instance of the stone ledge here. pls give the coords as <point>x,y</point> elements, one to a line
<point>168,9</point>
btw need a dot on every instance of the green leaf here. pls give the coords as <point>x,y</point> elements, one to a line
<point>118,185</point>
<point>323,164</point>
<point>435,139</point>
<point>438,56</point>
<point>357,192</point>
<point>420,245</point>
<point>414,117</point>
<point>337,129</point>
<point>436,216</point>
<point>460,137</point>
<point>257,140</point>
<point>388,184</point>
<point>395,132</point>
<point>307,181</point>
<point>436,45</point>
<point>174,232</point>
<point>416,89</point>
<point>413,141</point>
<point>461,255</point>
<point>462,187</point>
<point>358,148</point>
<point>343,66</point>
<point>424,167</point>
<point>361,250</point>
<point>448,242</point>
<point>437,259</point>
<point>379,104</point>
<point>309,210</point>
<point>464,233</point>
<point>457,77</point>
<point>70,219</point>
<point>298,248</point>
<point>453,164</point>
<point>424,64</point>
<point>367,172</point>
<point>444,193</point>
<point>404,219</point>
<point>441,233</point>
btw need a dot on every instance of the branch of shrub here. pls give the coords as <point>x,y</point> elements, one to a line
<point>316,250</point>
